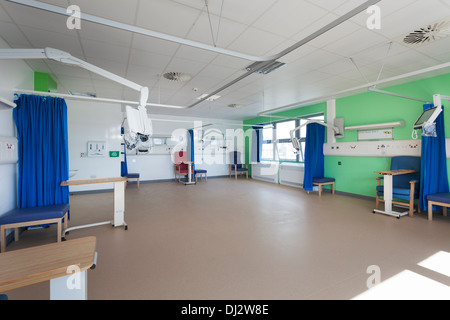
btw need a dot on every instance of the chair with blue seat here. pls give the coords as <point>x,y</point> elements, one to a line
<point>405,187</point>
<point>236,165</point>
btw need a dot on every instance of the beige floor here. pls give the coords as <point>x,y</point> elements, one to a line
<point>246,239</point>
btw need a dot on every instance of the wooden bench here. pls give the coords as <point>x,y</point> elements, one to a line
<point>54,262</point>
<point>438,199</point>
<point>26,217</point>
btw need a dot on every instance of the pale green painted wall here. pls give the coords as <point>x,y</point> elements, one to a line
<point>356,174</point>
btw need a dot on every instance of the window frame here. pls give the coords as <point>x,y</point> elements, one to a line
<point>299,157</point>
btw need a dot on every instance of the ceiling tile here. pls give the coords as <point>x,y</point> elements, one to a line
<point>149,59</point>
<point>103,50</point>
<point>37,19</point>
<point>215,32</point>
<point>101,33</point>
<point>244,12</point>
<point>257,42</point>
<point>3,15</point>
<point>120,11</point>
<point>13,35</point>
<point>275,20</point>
<point>60,41</point>
<point>155,45</point>
<point>166,17</point>
<point>356,42</point>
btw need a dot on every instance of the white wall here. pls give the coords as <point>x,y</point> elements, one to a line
<point>88,121</point>
<point>93,121</point>
<point>13,74</point>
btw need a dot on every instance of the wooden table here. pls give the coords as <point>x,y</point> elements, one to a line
<point>387,189</point>
<point>65,264</point>
<point>119,200</point>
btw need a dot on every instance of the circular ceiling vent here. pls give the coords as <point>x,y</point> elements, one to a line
<point>177,76</point>
<point>429,33</point>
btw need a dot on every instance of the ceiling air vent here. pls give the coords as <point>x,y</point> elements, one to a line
<point>427,34</point>
<point>177,76</point>
<point>235,106</point>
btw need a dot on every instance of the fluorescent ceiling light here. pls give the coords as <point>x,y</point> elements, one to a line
<point>211,98</point>
<point>264,67</point>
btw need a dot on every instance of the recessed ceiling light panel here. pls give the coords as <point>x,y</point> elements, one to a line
<point>212,98</point>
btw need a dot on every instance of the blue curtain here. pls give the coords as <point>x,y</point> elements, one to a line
<point>257,144</point>
<point>433,169</point>
<point>123,164</point>
<point>314,159</point>
<point>192,149</point>
<point>43,151</point>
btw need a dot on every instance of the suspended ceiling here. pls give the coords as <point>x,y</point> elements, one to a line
<point>253,27</point>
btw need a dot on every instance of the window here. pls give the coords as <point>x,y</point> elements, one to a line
<point>267,143</point>
<point>277,142</point>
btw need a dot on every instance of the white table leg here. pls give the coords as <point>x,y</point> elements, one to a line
<point>119,203</point>
<point>387,193</point>
<point>70,287</point>
<point>189,180</point>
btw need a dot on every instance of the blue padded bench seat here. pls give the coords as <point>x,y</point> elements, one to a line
<point>25,217</point>
<point>323,181</point>
<point>438,199</point>
<point>133,176</point>
<point>201,173</point>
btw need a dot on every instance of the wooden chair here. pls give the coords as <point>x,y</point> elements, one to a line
<point>181,169</point>
<point>236,166</point>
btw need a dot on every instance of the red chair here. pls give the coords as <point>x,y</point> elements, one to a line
<point>181,169</point>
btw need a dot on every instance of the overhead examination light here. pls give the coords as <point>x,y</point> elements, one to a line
<point>139,123</point>
<point>338,128</point>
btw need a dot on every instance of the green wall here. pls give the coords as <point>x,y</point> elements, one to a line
<point>44,83</point>
<point>356,174</point>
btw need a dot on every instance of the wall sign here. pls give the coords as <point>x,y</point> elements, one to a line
<point>96,148</point>
<point>378,134</point>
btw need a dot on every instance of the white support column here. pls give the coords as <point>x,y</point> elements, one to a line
<point>331,116</point>
<point>437,100</point>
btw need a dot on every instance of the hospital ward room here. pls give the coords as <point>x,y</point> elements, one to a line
<point>224,158</point>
